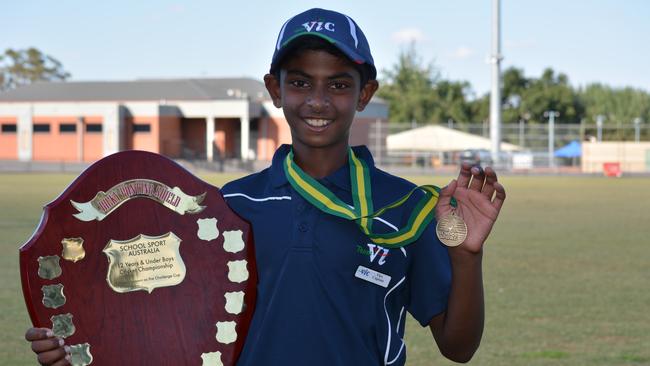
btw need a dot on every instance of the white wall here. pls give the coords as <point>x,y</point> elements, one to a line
<point>632,156</point>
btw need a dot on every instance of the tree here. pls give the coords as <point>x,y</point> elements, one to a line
<point>620,106</point>
<point>2,73</point>
<point>408,88</point>
<point>515,86</point>
<point>22,67</point>
<point>552,92</point>
<point>415,92</point>
<point>451,101</point>
<point>528,98</point>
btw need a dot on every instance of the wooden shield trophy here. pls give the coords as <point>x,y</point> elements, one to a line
<point>138,262</point>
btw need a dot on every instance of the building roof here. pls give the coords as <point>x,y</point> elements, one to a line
<point>139,90</point>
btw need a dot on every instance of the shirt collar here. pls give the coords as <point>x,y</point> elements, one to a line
<point>340,178</point>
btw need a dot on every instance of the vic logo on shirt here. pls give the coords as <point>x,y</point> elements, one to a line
<point>309,26</point>
<point>373,252</point>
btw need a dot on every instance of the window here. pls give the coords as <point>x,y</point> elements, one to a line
<point>67,127</point>
<point>9,128</point>
<point>41,127</point>
<point>93,127</point>
<point>141,127</point>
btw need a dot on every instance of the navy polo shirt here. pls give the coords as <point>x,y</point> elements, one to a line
<point>326,294</point>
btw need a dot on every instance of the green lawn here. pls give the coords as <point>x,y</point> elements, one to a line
<point>567,272</point>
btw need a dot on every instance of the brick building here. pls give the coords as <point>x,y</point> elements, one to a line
<point>181,118</point>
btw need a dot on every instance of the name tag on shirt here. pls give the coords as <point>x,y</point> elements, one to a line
<point>372,276</point>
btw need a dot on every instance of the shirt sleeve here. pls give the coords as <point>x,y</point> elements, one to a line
<point>430,276</point>
<point>237,205</point>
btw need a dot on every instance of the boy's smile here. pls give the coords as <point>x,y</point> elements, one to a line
<point>318,124</point>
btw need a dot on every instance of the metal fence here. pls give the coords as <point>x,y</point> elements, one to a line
<point>538,141</point>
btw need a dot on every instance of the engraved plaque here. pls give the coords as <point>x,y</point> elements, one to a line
<point>138,262</point>
<point>144,263</point>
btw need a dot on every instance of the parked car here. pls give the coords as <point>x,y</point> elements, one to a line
<point>480,157</point>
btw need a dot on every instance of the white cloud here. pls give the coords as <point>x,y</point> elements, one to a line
<point>408,35</point>
<point>462,52</point>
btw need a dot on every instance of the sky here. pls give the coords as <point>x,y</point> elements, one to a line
<point>603,41</point>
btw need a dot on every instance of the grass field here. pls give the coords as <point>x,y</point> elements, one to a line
<point>567,272</point>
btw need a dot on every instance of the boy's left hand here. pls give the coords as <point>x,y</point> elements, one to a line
<point>479,198</point>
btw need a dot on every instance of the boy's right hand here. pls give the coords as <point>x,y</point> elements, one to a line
<point>50,350</point>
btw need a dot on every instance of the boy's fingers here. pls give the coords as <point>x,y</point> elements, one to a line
<point>67,361</point>
<point>478,178</point>
<point>447,192</point>
<point>52,357</point>
<point>35,334</point>
<point>490,179</point>
<point>63,362</point>
<point>44,345</point>
<point>465,175</point>
<point>500,196</point>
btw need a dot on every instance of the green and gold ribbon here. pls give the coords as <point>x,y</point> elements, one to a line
<point>362,212</point>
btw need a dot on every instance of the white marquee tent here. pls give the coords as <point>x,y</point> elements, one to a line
<point>440,139</point>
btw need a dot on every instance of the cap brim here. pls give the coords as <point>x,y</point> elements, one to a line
<point>289,43</point>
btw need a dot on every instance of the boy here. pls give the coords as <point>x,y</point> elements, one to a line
<point>327,293</point>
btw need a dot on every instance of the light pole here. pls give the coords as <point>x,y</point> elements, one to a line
<point>599,124</point>
<point>551,135</point>
<point>637,129</point>
<point>495,94</point>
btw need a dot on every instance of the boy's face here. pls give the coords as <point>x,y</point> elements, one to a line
<point>319,94</point>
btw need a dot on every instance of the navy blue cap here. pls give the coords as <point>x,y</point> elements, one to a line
<point>337,28</point>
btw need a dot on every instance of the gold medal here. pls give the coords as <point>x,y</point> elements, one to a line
<point>451,230</point>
